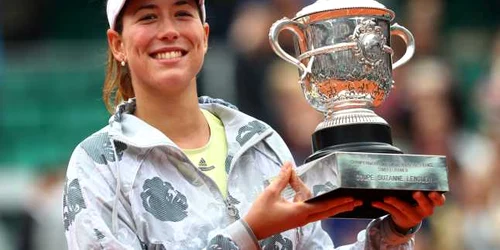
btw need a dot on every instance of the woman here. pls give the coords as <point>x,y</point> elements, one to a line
<point>174,172</point>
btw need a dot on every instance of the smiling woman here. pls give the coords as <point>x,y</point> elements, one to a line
<point>144,18</point>
<point>174,171</point>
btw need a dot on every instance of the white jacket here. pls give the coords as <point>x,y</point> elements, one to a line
<point>128,186</point>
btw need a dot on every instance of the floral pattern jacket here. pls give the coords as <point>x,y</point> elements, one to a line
<point>128,186</point>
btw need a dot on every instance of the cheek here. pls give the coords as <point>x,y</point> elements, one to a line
<point>196,36</point>
<point>137,42</point>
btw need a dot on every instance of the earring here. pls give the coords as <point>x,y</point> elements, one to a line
<point>123,63</point>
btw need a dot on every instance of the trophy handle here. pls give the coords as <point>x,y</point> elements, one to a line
<point>294,27</point>
<point>408,38</point>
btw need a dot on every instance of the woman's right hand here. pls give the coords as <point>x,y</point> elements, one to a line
<point>271,213</point>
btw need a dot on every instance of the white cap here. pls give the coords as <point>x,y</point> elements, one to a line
<point>115,6</point>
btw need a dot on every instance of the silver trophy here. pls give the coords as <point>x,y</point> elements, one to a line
<point>344,56</point>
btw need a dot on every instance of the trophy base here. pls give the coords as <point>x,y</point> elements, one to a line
<point>371,177</point>
<point>359,160</point>
<point>358,137</point>
<point>363,137</point>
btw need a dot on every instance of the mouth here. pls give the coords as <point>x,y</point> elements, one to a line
<point>167,55</point>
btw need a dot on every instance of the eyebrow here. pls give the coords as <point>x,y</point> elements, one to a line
<point>145,6</point>
<point>181,2</point>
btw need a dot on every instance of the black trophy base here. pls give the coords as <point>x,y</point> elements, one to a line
<point>367,138</point>
<point>375,139</point>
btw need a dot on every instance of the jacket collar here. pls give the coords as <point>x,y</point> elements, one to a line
<point>241,129</point>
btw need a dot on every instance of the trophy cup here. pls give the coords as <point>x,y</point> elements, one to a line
<point>343,53</point>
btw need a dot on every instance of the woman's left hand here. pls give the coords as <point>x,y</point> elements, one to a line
<point>406,216</point>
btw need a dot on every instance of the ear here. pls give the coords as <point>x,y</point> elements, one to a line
<point>206,28</point>
<point>115,43</point>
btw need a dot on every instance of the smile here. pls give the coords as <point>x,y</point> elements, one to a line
<point>168,55</point>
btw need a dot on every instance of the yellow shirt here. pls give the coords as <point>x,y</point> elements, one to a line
<point>211,158</point>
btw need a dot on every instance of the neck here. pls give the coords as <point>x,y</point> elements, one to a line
<point>177,116</point>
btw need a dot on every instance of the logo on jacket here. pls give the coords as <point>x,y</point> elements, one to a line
<point>203,165</point>
<point>220,242</point>
<point>73,202</point>
<point>164,202</point>
<point>276,242</point>
<point>246,132</point>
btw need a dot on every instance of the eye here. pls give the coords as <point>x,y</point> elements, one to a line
<point>184,13</point>
<point>148,17</point>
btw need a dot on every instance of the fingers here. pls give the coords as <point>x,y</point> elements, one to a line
<point>404,214</point>
<point>322,206</point>
<point>302,192</point>
<point>278,184</point>
<point>345,207</point>
<point>400,210</point>
<point>424,203</point>
<point>389,209</point>
<point>437,198</point>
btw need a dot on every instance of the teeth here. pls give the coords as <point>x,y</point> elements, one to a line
<point>168,55</point>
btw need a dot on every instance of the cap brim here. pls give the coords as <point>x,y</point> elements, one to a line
<point>114,7</point>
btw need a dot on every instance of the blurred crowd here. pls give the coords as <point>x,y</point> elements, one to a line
<point>446,101</point>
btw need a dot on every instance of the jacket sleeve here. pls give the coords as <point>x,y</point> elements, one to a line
<point>379,234</point>
<point>234,237</point>
<point>89,201</point>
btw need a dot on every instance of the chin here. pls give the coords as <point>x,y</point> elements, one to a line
<point>171,84</point>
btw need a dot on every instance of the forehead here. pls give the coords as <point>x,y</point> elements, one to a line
<point>137,4</point>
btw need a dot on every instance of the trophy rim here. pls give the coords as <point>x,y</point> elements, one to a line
<point>321,15</point>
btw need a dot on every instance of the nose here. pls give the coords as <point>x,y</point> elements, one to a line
<point>168,31</point>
